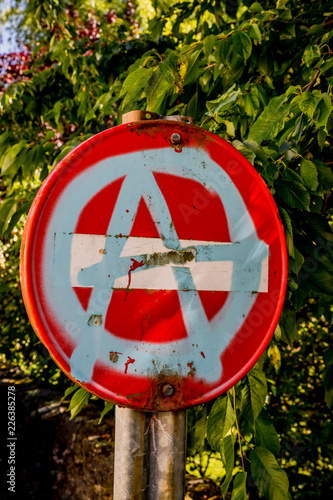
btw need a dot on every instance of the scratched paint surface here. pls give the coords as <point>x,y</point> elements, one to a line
<point>123,253</point>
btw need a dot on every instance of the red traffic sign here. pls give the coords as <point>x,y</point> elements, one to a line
<point>154,265</point>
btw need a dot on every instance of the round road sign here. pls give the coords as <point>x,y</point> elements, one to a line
<point>154,266</point>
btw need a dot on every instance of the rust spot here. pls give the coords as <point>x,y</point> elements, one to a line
<point>192,371</point>
<point>130,361</point>
<point>102,251</point>
<point>172,257</point>
<point>114,356</point>
<point>95,320</point>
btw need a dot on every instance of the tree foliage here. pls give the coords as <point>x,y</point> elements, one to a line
<point>258,74</point>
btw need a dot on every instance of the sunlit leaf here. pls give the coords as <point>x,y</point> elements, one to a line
<point>223,103</point>
<point>254,32</point>
<point>108,406</point>
<point>78,401</point>
<point>239,487</point>
<point>220,420</point>
<point>254,391</point>
<point>228,459</point>
<point>265,433</point>
<point>272,481</point>
<point>10,156</point>
<point>7,209</point>
<point>271,120</point>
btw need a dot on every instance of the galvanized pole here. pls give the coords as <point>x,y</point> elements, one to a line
<point>149,455</point>
<point>149,459</point>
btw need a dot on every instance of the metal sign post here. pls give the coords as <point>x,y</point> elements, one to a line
<point>149,455</point>
<point>154,269</point>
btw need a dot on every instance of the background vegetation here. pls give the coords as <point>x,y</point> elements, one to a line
<point>258,74</point>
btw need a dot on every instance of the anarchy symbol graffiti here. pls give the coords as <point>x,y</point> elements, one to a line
<point>239,267</point>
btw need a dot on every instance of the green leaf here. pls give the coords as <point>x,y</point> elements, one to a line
<point>254,391</point>
<point>323,111</point>
<point>220,420</point>
<point>309,174</point>
<point>90,115</point>
<point>288,230</point>
<point>57,110</point>
<point>288,324</point>
<point>23,210</point>
<point>78,401</point>
<point>239,486</point>
<point>278,333</point>
<point>251,103</point>
<point>254,32</point>
<point>308,102</point>
<point>69,391</point>
<point>7,209</point>
<point>311,53</point>
<point>200,430</point>
<point>246,151</point>
<point>242,44</point>
<point>316,29</point>
<point>321,137</point>
<point>193,67</point>
<point>326,66</point>
<point>107,407</point>
<point>274,356</point>
<point>208,45</point>
<point>271,120</point>
<point>286,15</point>
<point>322,279</point>
<point>261,155</point>
<point>281,3</point>
<point>228,459</point>
<point>193,106</point>
<point>223,103</point>
<point>3,138</point>
<point>156,91</point>
<point>10,156</point>
<point>265,433</point>
<point>134,84</point>
<point>297,261</point>
<point>328,377</point>
<point>325,175</point>
<point>271,480</point>
<point>256,7</point>
<point>293,193</point>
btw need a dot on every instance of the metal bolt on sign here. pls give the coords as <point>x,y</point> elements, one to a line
<point>154,269</point>
<point>175,138</point>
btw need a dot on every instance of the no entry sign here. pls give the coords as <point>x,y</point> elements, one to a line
<point>154,266</point>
